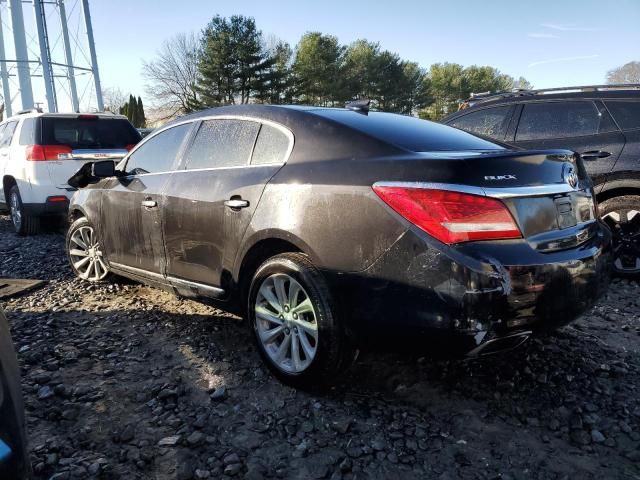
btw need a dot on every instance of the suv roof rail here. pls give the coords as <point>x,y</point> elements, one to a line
<point>487,96</point>
<point>29,110</point>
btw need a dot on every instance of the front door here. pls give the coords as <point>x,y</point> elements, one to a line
<point>209,204</point>
<point>131,219</point>
<point>583,126</point>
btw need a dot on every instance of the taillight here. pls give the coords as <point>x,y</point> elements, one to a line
<point>43,153</point>
<point>451,217</point>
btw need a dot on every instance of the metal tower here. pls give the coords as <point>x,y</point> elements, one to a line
<point>61,74</point>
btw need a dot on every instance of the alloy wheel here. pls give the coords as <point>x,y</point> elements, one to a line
<point>86,255</point>
<point>16,211</point>
<point>286,323</point>
<point>625,226</point>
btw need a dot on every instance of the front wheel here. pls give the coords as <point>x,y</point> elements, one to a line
<point>292,321</point>
<point>622,214</point>
<point>84,252</point>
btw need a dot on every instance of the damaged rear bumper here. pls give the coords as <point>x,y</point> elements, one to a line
<point>474,298</point>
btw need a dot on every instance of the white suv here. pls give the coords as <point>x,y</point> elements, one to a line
<point>39,152</point>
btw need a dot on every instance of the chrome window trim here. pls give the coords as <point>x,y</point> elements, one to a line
<point>503,192</point>
<point>271,123</point>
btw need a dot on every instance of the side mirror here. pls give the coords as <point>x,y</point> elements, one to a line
<point>103,169</point>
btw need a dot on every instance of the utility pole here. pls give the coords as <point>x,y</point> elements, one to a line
<point>22,59</point>
<point>67,54</point>
<point>92,52</point>
<point>6,92</point>
<point>45,56</point>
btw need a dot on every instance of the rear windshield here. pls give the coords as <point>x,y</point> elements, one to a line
<point>409,133</point>
<point>89,133</point>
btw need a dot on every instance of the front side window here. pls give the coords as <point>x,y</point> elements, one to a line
<point>627,114</point>
<point>7,134</point>
<point>221,144</point>
<point>158,154</point>
<point>558,120</point>
<point>488,122</point>
<point>271,147</point>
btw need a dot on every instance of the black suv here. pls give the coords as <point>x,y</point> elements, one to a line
<point>601,123</point>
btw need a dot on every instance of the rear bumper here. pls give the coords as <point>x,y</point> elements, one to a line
<point>467,295</point>
<point>48,208</point>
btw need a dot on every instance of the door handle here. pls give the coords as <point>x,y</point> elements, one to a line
<point>148,203</point>
<point>236,203</point>
<point>594,155</point>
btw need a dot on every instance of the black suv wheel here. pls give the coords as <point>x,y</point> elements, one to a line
<point>622,214</point>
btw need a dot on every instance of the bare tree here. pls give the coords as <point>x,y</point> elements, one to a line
<point>627,73</point>
<point>172,76</point>
<point>114,98</point>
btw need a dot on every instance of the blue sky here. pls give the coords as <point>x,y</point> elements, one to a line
<point>551,43</point>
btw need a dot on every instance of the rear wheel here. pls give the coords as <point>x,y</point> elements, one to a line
<point>622,214</point>
<point>85,252</point>
<point>23,223</point>
<point>292,321</point>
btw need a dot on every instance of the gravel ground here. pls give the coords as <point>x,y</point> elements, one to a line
<point>124,381</point>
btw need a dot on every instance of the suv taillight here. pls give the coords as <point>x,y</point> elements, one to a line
<point>451,217</point>
<point>43,153</point>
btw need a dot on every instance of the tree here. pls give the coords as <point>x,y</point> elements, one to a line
<point>142,120</point>
<point>114,99</point>
<point>232,61</point>
<point>276,81</point>
<point>317,70</point>
<point>522,84</point>
<point>627,73</point>
<point>172,76</point>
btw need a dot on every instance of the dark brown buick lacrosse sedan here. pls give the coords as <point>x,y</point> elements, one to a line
<point>329,226</point>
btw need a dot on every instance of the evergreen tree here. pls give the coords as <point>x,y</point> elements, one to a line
<point>142,119</point>
<point>232,61</point>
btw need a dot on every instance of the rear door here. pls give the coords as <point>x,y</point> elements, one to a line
<point>209,204</point>
<point>584,126</point>
<point>71,141</point>
<point>130,215</point>
<point>626,113</point>
<point>4,163</point>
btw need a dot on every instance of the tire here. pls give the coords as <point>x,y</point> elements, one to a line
<point>622,215</point>
<point>299,278</point>
<point>23,223</point>
<point>82,243</point>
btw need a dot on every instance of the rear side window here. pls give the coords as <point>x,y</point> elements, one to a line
<point>89,132</point>
<point>222,144</point>
<point>271,147</point>
<point>28,132</point>
<point>158,154</point>
<point>409,133</point>
<point>489,122</point>
<point>627,114</point>
<point>7,134</point>
<point>559,120</point>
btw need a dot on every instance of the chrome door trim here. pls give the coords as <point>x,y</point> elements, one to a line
<point>203,289</point>
<point>504,192</point>
<point>207,290</point>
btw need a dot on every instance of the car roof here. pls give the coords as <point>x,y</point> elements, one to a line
<point>37,114</point>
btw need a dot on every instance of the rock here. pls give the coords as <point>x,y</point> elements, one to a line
<point>45,392</point>
<point>232,469</point>
<point>580,437</point>
<point>169,441</point>
<point>195,439</point>
<point>597,436</point>
<point>219,394</point>
<point>202,474</point>
<point>231,458</point>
